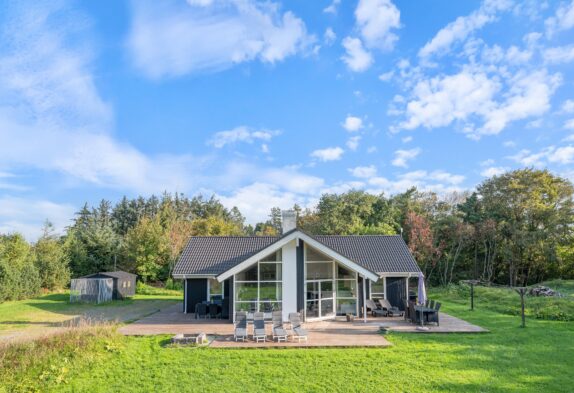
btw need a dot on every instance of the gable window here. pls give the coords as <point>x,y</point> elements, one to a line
<point>260,286</point>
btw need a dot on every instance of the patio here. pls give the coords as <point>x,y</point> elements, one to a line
<point>334,333</point>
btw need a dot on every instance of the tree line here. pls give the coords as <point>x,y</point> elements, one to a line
<point>516,228</point>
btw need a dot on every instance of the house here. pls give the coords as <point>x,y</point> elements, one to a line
<point>123,283</point>
<point>320,276</point>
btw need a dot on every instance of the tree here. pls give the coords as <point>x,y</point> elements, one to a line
<point>422,243</point>
<point>535,213</point>
<point>51,260</point>
<point>19,277</point>
<point>147,249</point>
<point>215,226</point>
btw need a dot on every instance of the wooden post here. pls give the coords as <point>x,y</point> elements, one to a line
<point>471,296</point>
<point>522,291</point>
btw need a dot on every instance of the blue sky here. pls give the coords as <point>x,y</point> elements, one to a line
<point>274,103</point>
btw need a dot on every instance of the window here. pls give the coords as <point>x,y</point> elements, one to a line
<point>260,287</point>
<point>378,289</point>
<point>215,290</point>
<point>331,289</point>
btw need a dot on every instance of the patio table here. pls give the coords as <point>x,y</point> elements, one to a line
<point>425,311</point>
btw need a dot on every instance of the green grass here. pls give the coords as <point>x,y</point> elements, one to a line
<point>509,359</point>
<point>53,309</point>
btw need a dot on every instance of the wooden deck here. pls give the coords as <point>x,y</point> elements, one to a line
<point>335,333</point>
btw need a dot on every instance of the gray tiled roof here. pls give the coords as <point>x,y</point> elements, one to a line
<point>217,254</point>
<point>378,253</point>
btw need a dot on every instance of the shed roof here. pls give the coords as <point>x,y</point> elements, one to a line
<point>216,254</point>
<point>116,274</point>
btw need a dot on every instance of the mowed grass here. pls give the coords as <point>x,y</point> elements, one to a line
<point>508,359</point>
<point>53,309</point>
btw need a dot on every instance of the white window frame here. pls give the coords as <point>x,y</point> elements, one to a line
<point>209,289</point>
<point>258,282</point>
<point>378,293</point>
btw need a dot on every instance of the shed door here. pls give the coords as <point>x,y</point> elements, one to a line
<point>397,291</point>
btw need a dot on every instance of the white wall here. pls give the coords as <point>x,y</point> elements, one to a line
<point>289,278</point>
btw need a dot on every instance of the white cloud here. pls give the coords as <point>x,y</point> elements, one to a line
<point>363,171</point>
<point>439,101</point>
<point>328,154</point>
<point>375,20</point>
<point>26,216</point>
<point>52,116</point>
<point>407,139</point>
<point>567,106</point>
<point>487,162</point>
<point>437,181</point>
<point>569,124</point>
<point>463,26</point>
<point>352,123</point>
<point>562,20</point>
<point>493,171</point>
<point>402,157</point>
<point>560,54</point>
<point>353,142</point>
<point>386,76</point>
<point>329,36</point>
<point>562,155</point>
<point>171,38</point>
<point>356,57</point>
<point>372,149</point>
<point>241,134</point>
<point>332,8</point>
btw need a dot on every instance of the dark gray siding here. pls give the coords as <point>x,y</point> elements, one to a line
<point>196,292</point>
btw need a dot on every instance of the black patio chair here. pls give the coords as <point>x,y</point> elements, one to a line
<point>214,311</point>
<point>200,310</point>
<point>433,316</point>
<point>431,304</point>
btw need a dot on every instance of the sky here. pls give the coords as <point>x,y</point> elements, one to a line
<point>274,103</point>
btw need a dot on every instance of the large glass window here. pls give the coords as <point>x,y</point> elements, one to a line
<point>331,289</point>
<point>346,291</point>
<point>215,290</point>
<point>259,287</point>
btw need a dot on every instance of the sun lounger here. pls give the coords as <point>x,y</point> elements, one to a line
<point>240,326</point>
<point>298,332</point>
<point>259,333</point>
<point>279,331</point>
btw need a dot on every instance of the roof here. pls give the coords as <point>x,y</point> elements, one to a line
<point>116,274</point>
<point>215,255</point>
<point>378,253</point>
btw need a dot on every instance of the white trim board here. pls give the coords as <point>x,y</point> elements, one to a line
<point>307,239</point>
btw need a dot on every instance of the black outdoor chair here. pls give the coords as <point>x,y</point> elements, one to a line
<point>433,316</point>
<point>200,310</point>
<point>214,311</point>
<point>431,304</point>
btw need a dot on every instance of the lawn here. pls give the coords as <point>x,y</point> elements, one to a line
<point>34,316</point>
<point>509,359</point>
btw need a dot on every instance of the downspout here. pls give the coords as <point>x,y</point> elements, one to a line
<point>364,300</point>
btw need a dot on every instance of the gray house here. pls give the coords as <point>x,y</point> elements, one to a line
<point>318,275</point>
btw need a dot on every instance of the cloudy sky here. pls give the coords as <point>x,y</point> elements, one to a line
<point>273,103</point>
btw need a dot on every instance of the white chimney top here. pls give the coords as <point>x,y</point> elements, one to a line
<point>288,220</point>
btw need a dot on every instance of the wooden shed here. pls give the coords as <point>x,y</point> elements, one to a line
<point>124,285</point>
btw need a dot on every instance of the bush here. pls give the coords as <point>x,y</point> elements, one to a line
<point>19,278</point>
<point>143,289</point>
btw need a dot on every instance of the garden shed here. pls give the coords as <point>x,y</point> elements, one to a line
<point>124,283</point>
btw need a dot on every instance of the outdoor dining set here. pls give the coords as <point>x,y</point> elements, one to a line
<point>422,313</point>
<point>259,326</point>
